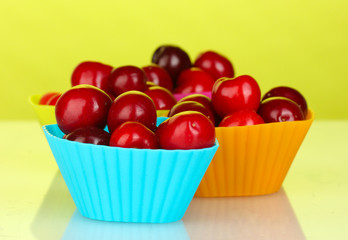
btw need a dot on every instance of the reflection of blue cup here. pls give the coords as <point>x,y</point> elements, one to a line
<point>258,217</point>
<point>129,185</point>
<point>83,228</point>
<point>55,211</point>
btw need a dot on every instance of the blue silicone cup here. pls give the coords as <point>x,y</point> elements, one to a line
<point>127,184</point>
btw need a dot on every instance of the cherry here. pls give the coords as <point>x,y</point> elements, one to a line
<point>290,93</point>
<point>233,94</point>
<point>89,134</point>
<point>133,135</point>
<point>50,98</point>
<point>127,78</point>
<point>92,73</point>
<point>204,100</point>
<point>215,64</point>
<point>194,80</point>
<point>241,118</point>
<point>191,106</point>
<point>200,98</point>
<point>280,109</point>
<point>186,130</point>
<point>132,106</point>
<point>82,106</point>
<point>162,98</point>
<point>173,59</point>
<point>53,101</point>
<point>159,76</point>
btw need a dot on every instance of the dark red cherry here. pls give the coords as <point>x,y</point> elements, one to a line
<point>89,134</point>
<point>173,59</point>
<point>280,109</point>
<point>290,93</point>
<point>127,78</point>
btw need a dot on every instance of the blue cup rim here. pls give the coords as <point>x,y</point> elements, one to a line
<point>46,128</point>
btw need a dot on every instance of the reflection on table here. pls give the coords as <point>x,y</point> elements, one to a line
<point>55,211</point>
<point>261,217</point>
<point>83,228</point>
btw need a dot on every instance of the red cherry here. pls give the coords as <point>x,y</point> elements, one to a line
<point>82,106</point>
<point>127,78</point>
<point>200,98</point>
<point>162,98</point>
<point>194,86</point>
<point>159,76</point>
<point>92,73</point>
<point>132,106</point>
<point>204,100</point>
<point>173,59</point>
<point>194,73</point>
<point>133,135</point>
<point>53,101</point>
<point>280,109</point>
<point>233,94</point>
<point>191,106</point>
<point>215,64</point>
<point>49,98</point>
<point>89,134</point>
<point>241,118</point>
<point>186,130</point>
<point>290,93</point>
<point>194,80</point>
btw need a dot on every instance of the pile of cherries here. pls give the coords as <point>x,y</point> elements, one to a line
<point>83,112</point>
<point>125,99</point>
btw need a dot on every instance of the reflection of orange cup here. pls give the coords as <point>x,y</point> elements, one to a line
<point>253,160</point>
<point>259,217</point>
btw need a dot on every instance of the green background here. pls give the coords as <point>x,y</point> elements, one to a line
<point>302,44</point>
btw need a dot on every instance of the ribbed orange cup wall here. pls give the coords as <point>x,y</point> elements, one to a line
<point>253,160</point>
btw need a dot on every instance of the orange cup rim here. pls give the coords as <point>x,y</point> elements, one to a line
<point>309,119</point>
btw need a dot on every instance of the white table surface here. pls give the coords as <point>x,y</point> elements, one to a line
<point>312,204</point>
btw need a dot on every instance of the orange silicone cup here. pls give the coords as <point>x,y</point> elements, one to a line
<point>253,160</point>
